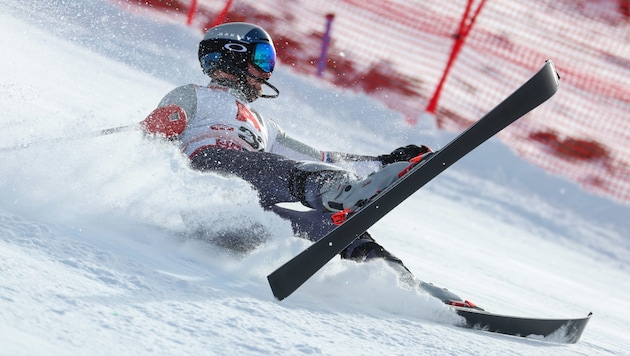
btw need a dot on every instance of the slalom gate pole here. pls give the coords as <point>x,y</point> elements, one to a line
<point>465,26</point>
<point>323,56</point>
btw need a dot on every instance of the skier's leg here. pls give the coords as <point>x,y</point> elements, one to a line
<point>268,173</point>
<point>311,225</point>
<point>314,225</point>
<point>365,248</point>
<point>335,192</point>
<point>278,179</point>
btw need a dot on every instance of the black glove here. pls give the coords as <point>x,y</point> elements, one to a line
<point>404,154</point>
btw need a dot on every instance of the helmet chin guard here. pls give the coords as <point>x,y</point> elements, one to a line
<point>265,82</point>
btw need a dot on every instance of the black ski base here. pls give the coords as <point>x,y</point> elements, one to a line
<point>566,331</point>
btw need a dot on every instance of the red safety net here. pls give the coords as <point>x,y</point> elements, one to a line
<point>457,59</point>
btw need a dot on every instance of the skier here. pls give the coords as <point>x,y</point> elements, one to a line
<point>218,131</point>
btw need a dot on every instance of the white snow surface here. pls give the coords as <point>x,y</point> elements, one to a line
<point>95,260</point>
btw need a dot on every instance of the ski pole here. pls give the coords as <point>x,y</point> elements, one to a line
<point>165,121</point>
<point>76,137</point>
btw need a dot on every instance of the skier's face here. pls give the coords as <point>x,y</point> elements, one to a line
<point>255,84</point>
<point>249,85</point>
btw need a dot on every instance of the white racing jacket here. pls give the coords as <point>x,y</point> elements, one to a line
<point>217,118</point>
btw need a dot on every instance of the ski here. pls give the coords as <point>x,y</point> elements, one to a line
<point>566,331</point>
<point>290,276</point>
<point>474,317</point>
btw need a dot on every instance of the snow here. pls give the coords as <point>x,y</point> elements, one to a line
<point>94,257</point>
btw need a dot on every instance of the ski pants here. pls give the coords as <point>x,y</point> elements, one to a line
<point>275,179</point>
<point>278,179</point>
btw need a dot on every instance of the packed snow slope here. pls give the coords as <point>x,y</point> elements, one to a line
<point>95,258</point>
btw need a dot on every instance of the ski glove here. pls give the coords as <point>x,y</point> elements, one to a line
<point>404,154</point>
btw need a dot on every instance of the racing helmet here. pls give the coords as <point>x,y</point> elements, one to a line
<point>231,46</point>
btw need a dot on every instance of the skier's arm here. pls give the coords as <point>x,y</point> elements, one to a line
<point>400,154</point>
<point>287,142</point>
<point>170,117</point>
<point>184,97</point>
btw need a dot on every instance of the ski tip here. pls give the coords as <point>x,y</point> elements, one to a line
<point>552,68</point>
<point>549,62</point>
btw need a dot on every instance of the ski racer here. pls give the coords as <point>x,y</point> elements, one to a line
<point>219,132</point>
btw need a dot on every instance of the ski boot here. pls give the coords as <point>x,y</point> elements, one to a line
<point>341,193</point>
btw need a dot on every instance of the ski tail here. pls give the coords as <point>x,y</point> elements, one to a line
<point>566,331</point>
